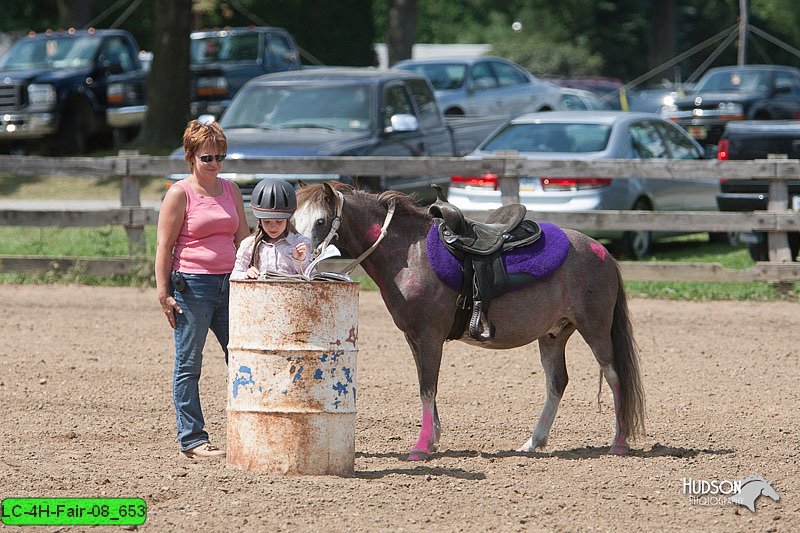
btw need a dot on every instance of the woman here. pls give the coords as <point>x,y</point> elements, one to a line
<point>200,224</point>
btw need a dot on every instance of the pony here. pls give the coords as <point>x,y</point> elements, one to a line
<point>584,294</point>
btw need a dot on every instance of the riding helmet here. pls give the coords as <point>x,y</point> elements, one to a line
<point>273,198</point>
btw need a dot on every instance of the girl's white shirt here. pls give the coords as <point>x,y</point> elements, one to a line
<point>274,256</point>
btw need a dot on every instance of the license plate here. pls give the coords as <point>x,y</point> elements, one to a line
<point>527,184</point>
<point>698,132</point>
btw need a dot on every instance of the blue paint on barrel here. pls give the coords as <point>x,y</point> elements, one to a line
<point>318,374</point>
<point>243,377</point>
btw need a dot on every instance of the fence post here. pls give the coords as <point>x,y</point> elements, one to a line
<point>129,197</point>
<point>778,241</point>
<point>508,185</point>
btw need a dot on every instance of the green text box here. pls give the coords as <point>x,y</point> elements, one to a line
<point>73,511</point>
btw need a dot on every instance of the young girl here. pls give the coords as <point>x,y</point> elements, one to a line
<point>274,245</point>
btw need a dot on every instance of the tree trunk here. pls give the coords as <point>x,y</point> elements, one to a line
<point>661,45</point>
<point>74,13</point>
<point>402,27</point>
<point>168,86</point>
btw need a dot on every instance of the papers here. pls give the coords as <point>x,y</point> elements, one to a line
<point>310,273</point>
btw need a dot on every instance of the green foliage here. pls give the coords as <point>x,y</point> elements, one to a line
<point>544,57</point>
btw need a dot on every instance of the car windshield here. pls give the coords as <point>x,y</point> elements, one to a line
<point>224,47</point>
<point>55,52</point>
<point>745,81</point>
<point>443,76</point>
<point>341,107</point>
<point>551,137</point>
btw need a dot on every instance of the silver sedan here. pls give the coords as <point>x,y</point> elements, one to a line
<point>592,135</point>
<point>485,86</point>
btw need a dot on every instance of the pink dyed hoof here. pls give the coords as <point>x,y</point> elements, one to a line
<point>620,449</point>
<point>418,455</point>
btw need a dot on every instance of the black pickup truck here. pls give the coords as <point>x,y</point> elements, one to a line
<point>725,94</point>
<point>347,112</point>
<point>755,139</point>
<point>56,87</point>
<point>221,62</point>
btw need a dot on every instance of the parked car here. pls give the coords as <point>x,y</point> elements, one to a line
<point>758,139</point>
<point>607,89</point>
<point>485,86</point>
<point>347,112</point>
<point>220,63</point>
<point>591,135</point>
<point>724,94</point>
<point>578,99</point>
<point>56,88</point>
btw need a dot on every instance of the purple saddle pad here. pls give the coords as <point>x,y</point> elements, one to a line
<point>539,259</point>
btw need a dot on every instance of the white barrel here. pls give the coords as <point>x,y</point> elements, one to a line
<point>292,376</point>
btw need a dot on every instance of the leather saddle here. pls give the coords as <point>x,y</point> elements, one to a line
<point>479,246</point>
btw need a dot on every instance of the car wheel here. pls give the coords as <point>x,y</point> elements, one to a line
<point>731,238</point>
<point>636,244</point>
<point>72,139</point>
<point>760,251</point>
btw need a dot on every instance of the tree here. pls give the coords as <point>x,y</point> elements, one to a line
<point>168,87</point>
<point>73,13</point>
<point>402,26</point>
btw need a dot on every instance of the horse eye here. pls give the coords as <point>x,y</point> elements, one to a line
<point>319,222</point>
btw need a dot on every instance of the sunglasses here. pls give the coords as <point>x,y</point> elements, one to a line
<point>208,158</point>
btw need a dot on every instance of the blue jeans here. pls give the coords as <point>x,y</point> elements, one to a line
<point>204,302</point>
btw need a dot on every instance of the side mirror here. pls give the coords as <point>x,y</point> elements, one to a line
<point>114,67</point>
<point>402,123</point>
<point>782,88</point>
<point>711,151</point>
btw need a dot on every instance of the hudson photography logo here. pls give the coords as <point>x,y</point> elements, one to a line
<point>722,492</point>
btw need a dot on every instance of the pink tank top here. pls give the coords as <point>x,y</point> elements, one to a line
<point>205,243</point>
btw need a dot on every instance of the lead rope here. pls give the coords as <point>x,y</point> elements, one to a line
<point>389,214</point>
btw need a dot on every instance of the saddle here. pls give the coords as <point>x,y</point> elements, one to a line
<point>479,246</point>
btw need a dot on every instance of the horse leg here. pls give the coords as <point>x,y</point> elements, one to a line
<point>428,358</point>
<point>552,350</point>
<point>603,351</point>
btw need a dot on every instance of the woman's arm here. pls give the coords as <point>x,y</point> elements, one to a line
<point>243,230</point>
<point>170,221</point>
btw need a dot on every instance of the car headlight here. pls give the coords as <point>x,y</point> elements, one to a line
<point>41,94</point>
<point>212,86</point>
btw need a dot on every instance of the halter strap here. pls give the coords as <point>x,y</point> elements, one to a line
<point>389,214</point>
<point>335,223</point>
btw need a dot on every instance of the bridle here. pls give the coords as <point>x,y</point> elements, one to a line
<point>337,222</point>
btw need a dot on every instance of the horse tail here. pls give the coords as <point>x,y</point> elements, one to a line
<point>626,364</point>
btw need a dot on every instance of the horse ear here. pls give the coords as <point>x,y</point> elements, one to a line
<point>330,194</point>
<point>302,183</point>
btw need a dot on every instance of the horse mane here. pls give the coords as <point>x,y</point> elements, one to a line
<point>403,203</point>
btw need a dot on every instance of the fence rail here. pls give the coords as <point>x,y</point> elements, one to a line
<point>776,221</point>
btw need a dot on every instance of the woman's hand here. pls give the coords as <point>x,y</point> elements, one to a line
<point>252,273</point>
<point>169,306</point>
<point>300,251</point>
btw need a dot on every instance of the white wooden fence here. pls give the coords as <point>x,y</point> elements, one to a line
<point>777,220</point>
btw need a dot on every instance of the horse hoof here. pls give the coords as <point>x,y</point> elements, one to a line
<point>620,449</point>
<point>418,455</point>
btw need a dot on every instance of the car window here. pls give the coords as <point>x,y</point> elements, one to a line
<point>746,81</point>
<point>113,51</point>
<point>786,79</point>
<point>280,51</point>
<point>678,144</point>
<point>429,117</point>
<point>508,75</point>
<point>483,77</point>
<point>550,137</point>
<point>396,102</point>
<point>571,102</point>
<point>646,142</point>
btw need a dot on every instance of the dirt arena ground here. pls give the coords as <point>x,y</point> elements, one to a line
<point>85,379</point>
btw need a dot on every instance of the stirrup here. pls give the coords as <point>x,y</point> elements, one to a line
<point>479,326</point>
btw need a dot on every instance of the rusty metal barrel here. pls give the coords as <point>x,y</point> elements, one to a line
<point>292,377</point>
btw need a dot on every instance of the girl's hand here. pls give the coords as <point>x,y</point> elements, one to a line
<point>252,273</point>
<point>300,251</point>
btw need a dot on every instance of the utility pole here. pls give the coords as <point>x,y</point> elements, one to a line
<point>742,55</point>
